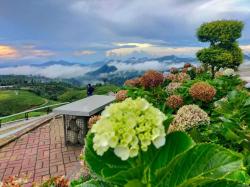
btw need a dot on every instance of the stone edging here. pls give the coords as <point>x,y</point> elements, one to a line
<point>17,135</point>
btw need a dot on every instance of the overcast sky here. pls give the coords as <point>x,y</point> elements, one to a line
<point>90,30</point>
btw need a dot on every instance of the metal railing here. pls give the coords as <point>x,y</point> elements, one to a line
<point>26,113</point>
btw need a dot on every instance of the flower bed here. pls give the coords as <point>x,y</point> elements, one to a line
<point>145,140</point>
<point>160,129</point>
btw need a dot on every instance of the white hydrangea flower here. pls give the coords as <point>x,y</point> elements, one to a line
<point>187,117</point>
<point>159,141</point>
<point>228,72</point>
<point>128,127</point>
<point>219,102</point>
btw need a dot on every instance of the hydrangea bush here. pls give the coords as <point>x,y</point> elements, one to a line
<point>202,91</point>
<point>121,95</point>
<point>228,72</point>
<point>92,120</point>
<point>152,79</point>
<point>187,117</point>
<point>133,82</point>
<point>178,77</point>
<point>174,101</point>
<point>128,147</point>
<point>172,87</point>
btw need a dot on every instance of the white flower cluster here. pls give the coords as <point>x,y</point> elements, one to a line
<point>172,87</point>
<point>228,72</point>
<point>187,117</point>
<point>219,102</point>
<point>128,127</point>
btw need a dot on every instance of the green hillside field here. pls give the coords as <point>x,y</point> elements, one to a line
<point>14,101</point>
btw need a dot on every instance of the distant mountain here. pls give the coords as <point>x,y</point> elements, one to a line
<point>110,70</point>
<point>117,71</point>
<point>142,64</point>
<point>247,57</point>
<point>103,69</point>
<point>113,71</point>
<point>60,62</point>
<point>173,58</point>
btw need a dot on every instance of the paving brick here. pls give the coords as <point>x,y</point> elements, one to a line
<point>8,171</point>
<point>60,168</point>
<point>24,170</point>
<point>55,163</point>
<point>53,169</point>
<point>57,174</point>
<point>1,175</point>
<point>39,164</point>
<point>39,154</point>
<point>30,184</point>
<point>42,170</point>
<point>3,165</point>
<point>41,174</point>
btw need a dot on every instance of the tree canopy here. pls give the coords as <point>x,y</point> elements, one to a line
<point>224,50</point>
<point>220,32</point>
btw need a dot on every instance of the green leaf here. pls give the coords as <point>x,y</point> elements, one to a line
<point>203,160</point>
<point>232,95</point>
<point>247,103</point>
<point>94,183</point>
<point>207,182</point>
<point>230,135</point>
<point>168,121</point>
<point>225,120</point>
<point>134,183</point>
<point>97,164</point>
<point>123,176</point>
<point>176,143</point>
<point>239,175</point>
<point>109,167</point>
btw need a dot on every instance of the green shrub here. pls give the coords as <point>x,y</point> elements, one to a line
<point>180,162</point>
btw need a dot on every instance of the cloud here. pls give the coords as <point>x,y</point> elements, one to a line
<point>84,52</point>
<point>150,49</point>
<point>31,51</point>
<point>245,48</point>
<point>156,50</point>
<point>7,52</point>
<point>53,71</point>
<point>229,6</point>
<point>96,24</point>
<point>169,20</point>
<point>23,52</point>
<point>138,66</point>
<point>144,66</point>
<point>140,45</point>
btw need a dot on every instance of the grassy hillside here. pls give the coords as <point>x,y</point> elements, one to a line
<point>12,101</point>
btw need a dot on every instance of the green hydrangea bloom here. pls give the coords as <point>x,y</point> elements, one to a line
<point>128,127</point>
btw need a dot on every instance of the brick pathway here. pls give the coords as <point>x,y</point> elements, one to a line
<point>39,154</point>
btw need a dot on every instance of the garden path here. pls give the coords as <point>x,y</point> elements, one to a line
<point>40,154</point>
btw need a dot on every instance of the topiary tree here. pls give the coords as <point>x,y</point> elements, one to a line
<point>215,57</point>
<point>224,50</point>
